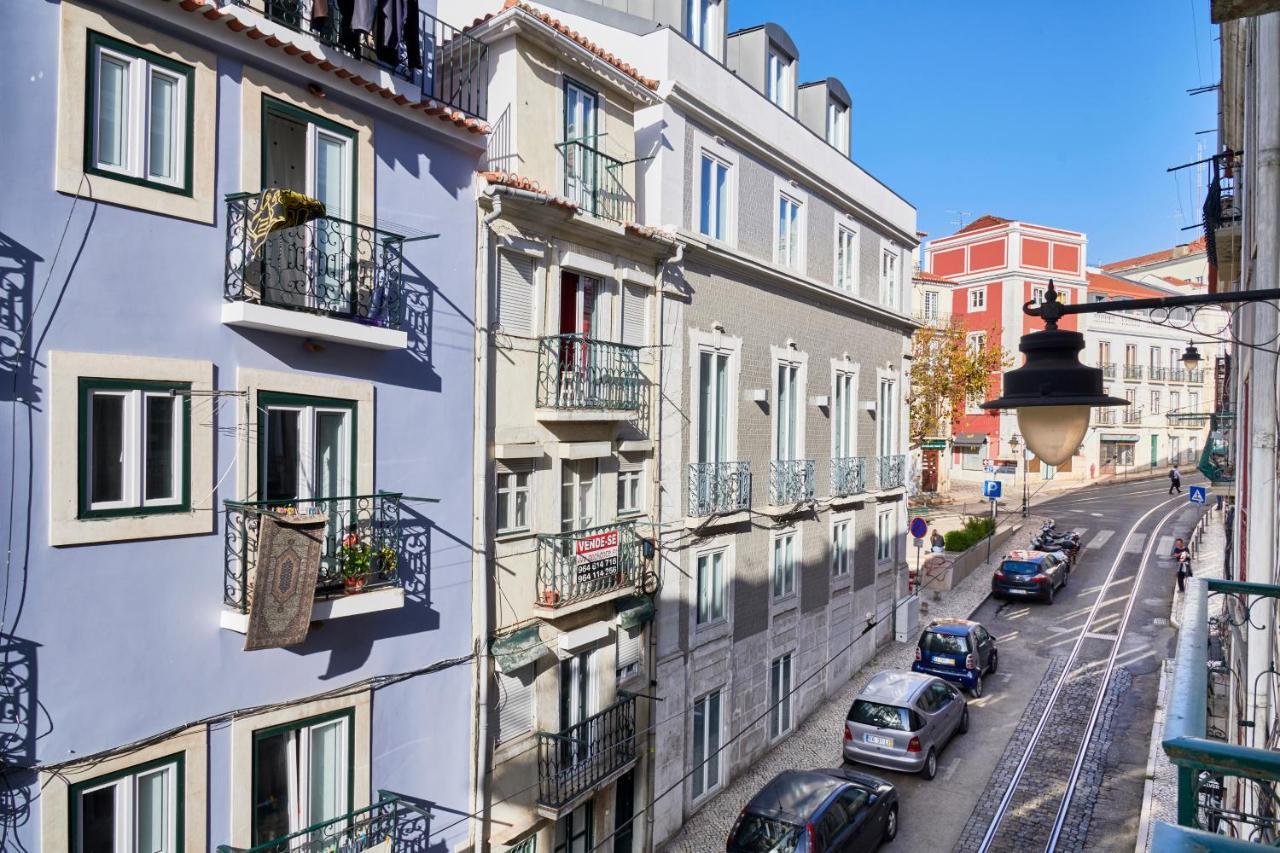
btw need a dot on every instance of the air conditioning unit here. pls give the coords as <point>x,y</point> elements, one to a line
<point>908,619</point>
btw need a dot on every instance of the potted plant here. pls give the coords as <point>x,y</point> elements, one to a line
<point>550,597</point>
<point>355,557</point>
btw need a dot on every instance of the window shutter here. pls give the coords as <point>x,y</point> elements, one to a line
<point>515,293</point>
<point>633,314</point>
<point>515,703</point>
<point>630,650</point>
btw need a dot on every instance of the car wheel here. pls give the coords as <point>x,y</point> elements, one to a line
<point>1066,575</point>
<point>964,721</point>
<point>891,825</point>
<point>930,768</point>
<point>995,663</point>
<point>1048,596</point>
<point>976,689</point>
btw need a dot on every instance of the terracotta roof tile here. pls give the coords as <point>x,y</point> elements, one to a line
<point>1196,246</point>
<point>985,221</point>
<point>925,275</point>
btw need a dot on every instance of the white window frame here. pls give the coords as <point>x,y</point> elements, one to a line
<point>784,546</point>
<point>705,584</point>
<point>704,25</point>
<point>838,125</point>
<point>847,258</point>
<point>717,343</point>
<point>844,424</point>
<point>927,311</point>
<point>789,244</point>
<point>508,489</point>
<point>1037,293</point>
<point>976,342</point>
<point>886,536</point>
<point>300,816</point>
<point>978,299</point>
<point>718,216</point>
<point>781,695</point>
<point>842,541</point>
<point>888,439</point>
<point>133,444</point>
<point>788,438</point>
<point>779,77</point>
<point>702,777</point>
<point>126,807</point>
<point>627,472</point>
<point>578,484</point>
<point>308,464</point>
<point>1155,402</point>
<point>891,264</point>
<point>707,145</point>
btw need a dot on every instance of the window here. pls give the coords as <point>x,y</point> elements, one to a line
<point>886,419</point>
<point>138,810</point>
<point>846,259</point>
<point>978,299</point>
<point>629,650</point>
<point>1097,297</point>
<point>139,116</point>
<point>711,587</point>
<point>786,420</point>
<point>1130,355</point>
<point>778,80</point>
<point>884,537</point>
<point>1193,401</point>
<point>706,744</point>
<point>630,481</point>
<point>977,343</point>
<point>134,439</point>
<point>1155,402</point>
<point>515,703</point>
<point>1175,356</point>
<point>513,501</point>
<point>843,414</point>
<point>579,502</point>
<point>970,458</point>
<point>306,447</point>
<point>573,831</point>
<point>784,565</point>
<point>1037,295</point>
<point>788,251</point>
<point>838,126</point>
<point>515,293</point>
<point>841,548</point>
<point>1104,353</point>
<point>702,24</point>
<point>1175,401</point>
<point>580,140</point>
<point>1155,358</point>
<point>714,396</point>
<point>780,696</point>
<point>713,205</point>
<point>302,774</point>
<point>889,283</point>
<point>931,305</point>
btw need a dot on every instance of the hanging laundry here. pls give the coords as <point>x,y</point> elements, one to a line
<point>356,21</point>
<point>397,24</point>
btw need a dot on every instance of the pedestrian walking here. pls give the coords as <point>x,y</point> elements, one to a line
<point>1182,554</point>
<point>1175,480</point>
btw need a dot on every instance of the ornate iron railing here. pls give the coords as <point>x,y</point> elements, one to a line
<point>447,64</point>
<point>893,472</point>
<point>583,563</point>
<point>576,372</point>
<point>391,817</point>
<point>1104,416</point>
<point>1132,416</point>
<point>1178,374</point>
<point>1196,377</point>
<point>1218,459</point>
<point>596,182</point>
<point>326,266</point>
<point>1108,370</point>
<point>572,762</point>
<point>791,481</point>
<point>1133,372</point>
<point>848,476</point>
<point>528,844</point>
<point>1157,373</point>
<point>716,488</point>
<point>362,528</point>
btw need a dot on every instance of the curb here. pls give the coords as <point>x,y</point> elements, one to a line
<point>1142,843</point>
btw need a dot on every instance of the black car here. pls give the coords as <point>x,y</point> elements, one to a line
<point>817,811</point>
<point>1030,574</point>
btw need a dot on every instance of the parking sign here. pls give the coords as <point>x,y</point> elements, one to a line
<point>1198,495</point>
<point>991,489</point>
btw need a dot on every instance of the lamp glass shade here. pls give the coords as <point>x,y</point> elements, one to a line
<point>1191,359</point>
<point>1053,433</point>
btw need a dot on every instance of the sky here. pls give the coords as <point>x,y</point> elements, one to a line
<point>1065,114</point>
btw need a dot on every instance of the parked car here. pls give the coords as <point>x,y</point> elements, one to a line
<point>957,650</point>
<point>902,720</point>
<point>817,811</point>
<point>1023,574</point>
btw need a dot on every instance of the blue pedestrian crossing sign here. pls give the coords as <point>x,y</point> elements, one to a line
<point>1198,495</point>
<point>991,489</point>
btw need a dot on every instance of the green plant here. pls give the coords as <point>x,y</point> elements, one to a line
<point>355,557</point>
<point>388,558</point>
<point>974,530</point>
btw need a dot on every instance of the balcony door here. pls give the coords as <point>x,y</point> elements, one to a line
<point>786,422</point>
<point>306,446</point>
<point>577,702</point>
<point>886,422</point>
<point>580,138</point>
<point>579,495</point>
<point>311,265</point>
<point>579,323</point>
<point>713,407</point>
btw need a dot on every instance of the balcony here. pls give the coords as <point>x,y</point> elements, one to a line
<point>1133,372</point>
<point>578,760</point>
<point>932,317</point>
<point>584,379</point>
<point>363,531</point>
<point>1104,416</point>
<point>1178,374</point>
<point>1132,416</point>
<point>1195,377</point>
<point>791,481</point>
<point>326,279</point>
<point>848,476</point>
<point>1108,370</point>
<point>392,817</point>
<point>596,182</point>
<point>1218,459</point>
<point>583,564</point>
<point>1158,374</point>
<point>893,472</point>
<point>449,65</point>
<point>719,488</point>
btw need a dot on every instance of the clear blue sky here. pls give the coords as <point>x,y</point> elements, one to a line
<point>1062,113</point>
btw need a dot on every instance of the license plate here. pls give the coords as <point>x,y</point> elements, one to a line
<point>878,740</point>
<point>944,661</point>
<point>1019,590</point>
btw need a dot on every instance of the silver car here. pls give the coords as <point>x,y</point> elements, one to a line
<point>901,720</point>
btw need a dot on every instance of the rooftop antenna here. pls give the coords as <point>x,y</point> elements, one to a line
<point>959,217</point>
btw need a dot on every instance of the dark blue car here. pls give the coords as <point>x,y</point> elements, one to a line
<point>957,650</point>
<point>1030,574</point>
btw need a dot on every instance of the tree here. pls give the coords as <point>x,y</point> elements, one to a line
<point>948,373</point>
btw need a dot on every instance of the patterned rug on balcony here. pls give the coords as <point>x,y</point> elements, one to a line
<point>287,566</point>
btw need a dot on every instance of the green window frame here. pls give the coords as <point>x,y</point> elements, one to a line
<point>268,399</point>
<point>348,714</point>
<point>137,146</point>
<point>280,108</point>
<point>76,791</point>
<point>88,386</point>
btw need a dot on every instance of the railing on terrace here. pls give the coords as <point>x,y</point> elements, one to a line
<point>574,761</point>
<point>576,372</point>
<point>932,318</point>
<point>893,472</point>
<point>1205,765</point>
<point>1104,416</point>
<point>717,488</point>
<point>791,481</point>
<point>446,64</point>
<point>596,181</point>
<point>1178,374</point>
<point>1108,370</point>
<point>1133,372</point>
<point>392,817</point>
<point>1132,416</point>
<point>1187,420</point>
<point>1158,374</point>
<point>584,563</point>
<point>360,527</point>
<point>1218,459</point>
<point>848,476</point>
<point>326,266</point>
<point>1196,377</point>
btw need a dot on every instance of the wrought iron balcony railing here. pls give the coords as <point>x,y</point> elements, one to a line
<point>1157,373</point>
<point>574,761</point>
<point>447,64</point>
<point>1132,416</point>
<point>1218,459</point>
<point>848,476</point>
<point>717,488</point>
<point>596,181</point>
<point>1133,372</point>
<point>391,817</point>
<point>791,481</point>
<point>1108,370</point>
<point>326,266</point>
<point>584,563</point>
<point>362,529</point>
<point>1104,416</point>
<point>576,372</point>
<point>893,472</point>
<point>1178,374</point>
<point>932,317</point>
<point>1196,377</point>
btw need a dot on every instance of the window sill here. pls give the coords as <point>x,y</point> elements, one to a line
<point>332,608</point>
<point>846,500</point>
<point>513,535</point>
<point>266,318</point>
<point>711,522</point>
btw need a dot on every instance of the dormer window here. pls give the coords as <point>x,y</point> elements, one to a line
<point>703,25</point>
<point>780,81</point>
<point>838,125</point>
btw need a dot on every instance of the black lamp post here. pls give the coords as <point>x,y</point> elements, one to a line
<point>1014,442</point>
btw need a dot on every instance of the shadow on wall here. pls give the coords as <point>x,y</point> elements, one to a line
<point>17,284</point>
<point>20,729</point>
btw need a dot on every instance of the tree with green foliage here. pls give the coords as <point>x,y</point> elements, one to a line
<point>948,373</point>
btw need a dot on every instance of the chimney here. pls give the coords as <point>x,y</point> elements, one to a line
<point>917,256</point>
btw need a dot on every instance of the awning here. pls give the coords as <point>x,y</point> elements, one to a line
<point>519,648</point>
<point>634,610</point>
<point>969,439</point>
<point>933,444</point>
<point>1123,439</point>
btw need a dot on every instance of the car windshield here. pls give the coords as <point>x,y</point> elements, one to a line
<point>881,716</point>
<point>1019,567</point>
<point>944,644</point>
<point>760,834</point>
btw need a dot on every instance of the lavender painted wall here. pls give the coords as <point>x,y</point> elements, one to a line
<point>116,642</point>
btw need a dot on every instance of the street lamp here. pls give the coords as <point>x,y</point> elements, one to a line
<point>1191,356</point>
<point>1014,442</point>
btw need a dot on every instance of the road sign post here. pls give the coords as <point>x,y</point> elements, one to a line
<point>1198,495</point>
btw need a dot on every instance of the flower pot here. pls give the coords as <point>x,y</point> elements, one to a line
<point>353,585</point>
<point>550,597</point>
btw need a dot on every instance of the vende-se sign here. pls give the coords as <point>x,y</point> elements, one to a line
<point>597,555</point>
